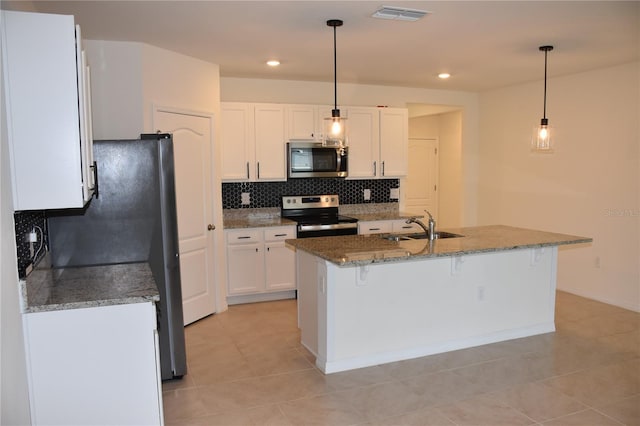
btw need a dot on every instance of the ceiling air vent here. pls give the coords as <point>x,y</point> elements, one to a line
<point>399,13</point>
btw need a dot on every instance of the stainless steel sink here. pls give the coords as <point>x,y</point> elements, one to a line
<point>439,234</point>
<point>394,237</point>
<point>419,236</point>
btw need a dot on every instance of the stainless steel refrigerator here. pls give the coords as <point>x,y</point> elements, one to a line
<point>132,219</point>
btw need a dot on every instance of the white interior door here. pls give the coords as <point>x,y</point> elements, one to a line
<point>421,192</point>
<point>192,144</point>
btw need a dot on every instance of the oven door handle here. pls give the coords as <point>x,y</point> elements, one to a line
<point>302,228</point>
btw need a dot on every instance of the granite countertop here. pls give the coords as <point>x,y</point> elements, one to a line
<point>254,218</point>
<point>263,217</point>
<point>239,223</point>
<point>354,250</point>
<point>52,289</point>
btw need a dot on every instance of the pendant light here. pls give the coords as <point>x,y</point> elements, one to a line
<point>335,126</point>
<point>542,135</point>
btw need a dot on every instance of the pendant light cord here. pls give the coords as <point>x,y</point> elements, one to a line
<point>546,50</point>
<point>335,71</point>
<point>544,108</point>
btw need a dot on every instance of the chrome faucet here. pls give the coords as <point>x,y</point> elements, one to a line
<point>431,230</point>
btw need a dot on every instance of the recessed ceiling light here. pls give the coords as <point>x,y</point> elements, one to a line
<point>399,13</point>
<point>444,75</point>
<point>273,63</point>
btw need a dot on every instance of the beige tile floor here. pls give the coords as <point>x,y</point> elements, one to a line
<point>247,367</point>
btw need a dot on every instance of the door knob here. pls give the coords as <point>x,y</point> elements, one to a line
<point>211,227</point>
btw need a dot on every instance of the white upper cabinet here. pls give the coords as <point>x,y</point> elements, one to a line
<point>306,122</point>
<point>394,142</point>
<point>378,142</point>
<point>253,142</point>
<point>302,121</point>
<point>270,142</point>
<point>236,132</point>
<point>48,111</point>
<point>363,138</point>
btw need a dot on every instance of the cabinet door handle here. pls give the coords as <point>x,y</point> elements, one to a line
<point>268,248</point>
<point>280,235</point>
<point>258,167</point>
<point>375,168</point>
<point>374,229</point>
<point>243,238</point>
<point>211,227</point>
<point>256,249</point>
<point>247,170</point>
<point>382,169</point>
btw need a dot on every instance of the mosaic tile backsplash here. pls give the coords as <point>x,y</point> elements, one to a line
<point>25,221</point>
<point>269,194</point>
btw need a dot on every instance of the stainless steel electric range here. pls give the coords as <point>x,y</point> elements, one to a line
<point>317,216</point>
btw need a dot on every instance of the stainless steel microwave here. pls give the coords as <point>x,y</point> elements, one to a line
<point>312,159</point>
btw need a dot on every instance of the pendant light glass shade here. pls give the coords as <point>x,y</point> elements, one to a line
<point>542,138</point>
<point>335,127</point>
<point>335,130</point>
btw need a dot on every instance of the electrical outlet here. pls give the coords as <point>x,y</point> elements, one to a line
<point>245,198</point>
<point>394,193</point>
<point>31,237</point>
<point>367,194</point>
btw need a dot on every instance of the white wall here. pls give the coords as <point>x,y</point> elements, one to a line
<point>590,186</point>
<point>116,88</point>
<point>129,78</point>
<point>179,81</point>
<point>14,398</point>
<point>305,92</point>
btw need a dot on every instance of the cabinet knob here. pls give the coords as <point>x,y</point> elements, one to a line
<point>211,227</point>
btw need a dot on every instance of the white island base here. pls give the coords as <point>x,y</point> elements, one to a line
<point>358,316</point>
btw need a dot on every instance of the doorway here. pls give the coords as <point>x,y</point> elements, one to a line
<point>192,139</point>
<point>421,183</point>
<point>435,177</point>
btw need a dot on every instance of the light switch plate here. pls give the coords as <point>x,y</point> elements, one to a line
<point>394,193</point>
<point>245,198</point>
<point>367,194</point>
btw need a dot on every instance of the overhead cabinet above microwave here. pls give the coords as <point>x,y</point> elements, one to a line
<point>47,95</point>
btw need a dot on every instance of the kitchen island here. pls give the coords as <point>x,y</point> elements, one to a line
<point>365,300</point>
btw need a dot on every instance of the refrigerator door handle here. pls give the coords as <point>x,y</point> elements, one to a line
<point>95,178</point>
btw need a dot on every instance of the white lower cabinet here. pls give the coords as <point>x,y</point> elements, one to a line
<point>94,366</point>
<point>258,260</point>
<point>401,226</point>
<point>374,227</point>
<point>387,226</point>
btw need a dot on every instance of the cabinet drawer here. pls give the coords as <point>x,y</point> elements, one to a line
<point>403,226</point>
<point>374,227</point>
<point>279,234</point>
<point>243,236</point>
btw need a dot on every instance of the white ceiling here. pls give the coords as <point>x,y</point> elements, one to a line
<point>483,44</point>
